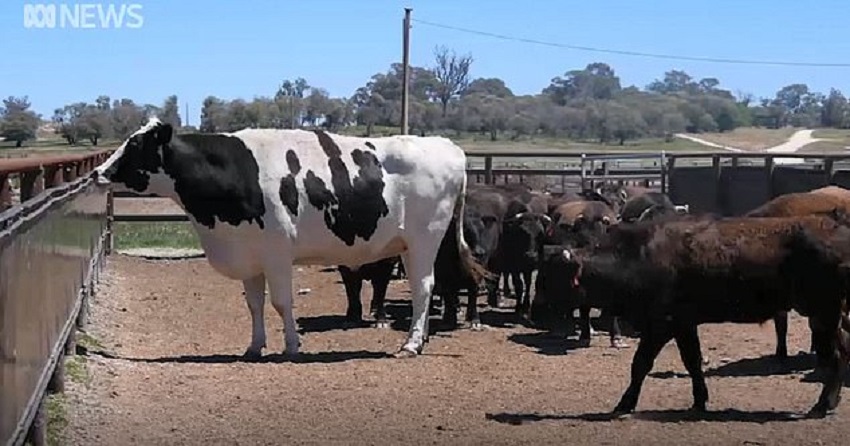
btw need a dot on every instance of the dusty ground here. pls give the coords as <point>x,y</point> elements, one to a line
<point>176,328</point>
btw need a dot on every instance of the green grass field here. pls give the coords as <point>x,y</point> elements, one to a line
<point>478,142</point>
<point>51,146</point>
<point>133,235</point>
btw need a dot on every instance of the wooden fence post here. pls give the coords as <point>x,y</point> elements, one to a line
<point>488,170</point>
<point>769,167</point>
<point>828,171</point>
<point>32,183</point>
<point>110,220</point>
<point>583,174</point>
<point>5,192</point>
<point>718,184</point>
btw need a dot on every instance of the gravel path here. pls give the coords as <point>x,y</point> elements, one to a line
<point>796,142</point>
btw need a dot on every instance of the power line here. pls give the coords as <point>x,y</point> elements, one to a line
<point>633,53</point>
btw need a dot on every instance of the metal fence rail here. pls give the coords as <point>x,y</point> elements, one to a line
<point>51,253</point>
<point>704,179</point>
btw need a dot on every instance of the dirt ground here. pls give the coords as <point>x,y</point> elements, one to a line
<point>173,332</point>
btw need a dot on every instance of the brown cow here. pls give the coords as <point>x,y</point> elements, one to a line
<point>669,277</point>
<point>803,203</point>
<point>817,201</point>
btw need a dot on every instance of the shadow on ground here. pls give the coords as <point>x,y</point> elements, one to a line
<point>547,343</point>
<point>273,358</point>
<point>659,416</point>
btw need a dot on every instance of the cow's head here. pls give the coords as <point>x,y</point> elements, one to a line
<point>481,233</point>
<point>487,231</point>
<point>137,164</point>
<point>613,195</point>
<point>522,236</point>
<point>582,230</point>
<point>557,288</point>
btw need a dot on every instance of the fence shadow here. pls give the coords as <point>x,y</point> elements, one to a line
<point>272,358</point>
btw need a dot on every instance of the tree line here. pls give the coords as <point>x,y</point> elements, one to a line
<point>588,104</point>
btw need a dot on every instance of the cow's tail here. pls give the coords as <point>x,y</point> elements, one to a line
<point>476,271</point>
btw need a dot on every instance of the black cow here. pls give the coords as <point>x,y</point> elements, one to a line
<point>574,225</point>
<point>649,205</point>
<point>669,277</point>
<point>521,243</point>
<point>481,232</point>
<point>379,274</point>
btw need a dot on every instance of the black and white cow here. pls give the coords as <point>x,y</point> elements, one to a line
<point>263,200</point>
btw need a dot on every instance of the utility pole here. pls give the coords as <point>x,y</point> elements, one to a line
<point>405,81</point>
<point>186,124</point>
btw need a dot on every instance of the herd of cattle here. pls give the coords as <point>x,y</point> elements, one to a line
<point>632,252</point>
<point>515,231</point>
<point>263,200</point>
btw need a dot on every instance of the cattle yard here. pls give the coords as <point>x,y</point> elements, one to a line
<point>158,357</point>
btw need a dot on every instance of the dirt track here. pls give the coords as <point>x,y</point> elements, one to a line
<point>176,329</point>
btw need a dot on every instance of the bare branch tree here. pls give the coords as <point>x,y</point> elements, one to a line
<point>452,73</point>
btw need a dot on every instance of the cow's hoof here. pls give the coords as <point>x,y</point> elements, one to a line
<point>477,326</point>
<point>619,343</point>
<point>382,324</point>
<point>698,408</point>
<point>404,354</point>
<point>584,343</point>
<point>817,412</point>
<point>620,413</point>
<point>252,355</point>
<point>291,351</point>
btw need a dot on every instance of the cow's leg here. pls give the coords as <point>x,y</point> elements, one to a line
<point>584,325</point>
<point>419,265</point>
<point>492,292</point>
<point>616,334</point>
<point>826,333</point>
<point>687,340</point>
<point>255,297</point>
<point>780,324</point>
<point>451,302</point>
<point>526,291</point>
<point>379,295</point>
<point>280,289</point>
<point>353,282</point>
<point>649,346</point>
<point>517,282</point>
<point>506,289</point>
<point>472,310</point>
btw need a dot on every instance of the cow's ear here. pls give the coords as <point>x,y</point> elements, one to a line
<point>624,195</point>
<point>163,134</point>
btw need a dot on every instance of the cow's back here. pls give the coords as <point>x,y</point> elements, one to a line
<point>354,198</point>
<point>733,243</point>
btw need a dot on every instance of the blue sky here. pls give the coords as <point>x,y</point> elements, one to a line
<point>232,48</point>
